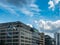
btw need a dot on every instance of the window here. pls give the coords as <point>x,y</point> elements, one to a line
<point>9,40</point>
<point>15,40</point>
<point>15,43</point>
<point>15,32</point>
<point>22,40</point>
<point>22,36</point>
<point>15,36</point>
<point>22,44</point>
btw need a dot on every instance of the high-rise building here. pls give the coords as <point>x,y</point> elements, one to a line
<point>17,33</point>
<point>49,40</point>
<point>35,37</point>
<point>57,38</point>
<point>42,39</point>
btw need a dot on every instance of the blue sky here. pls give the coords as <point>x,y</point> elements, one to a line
<point>36,13</point>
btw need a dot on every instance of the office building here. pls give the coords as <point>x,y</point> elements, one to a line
<point>49,40</point>
<point>42,39</point>
<point>17,33</point>
<point>57,38</point>
<point>35,37</point>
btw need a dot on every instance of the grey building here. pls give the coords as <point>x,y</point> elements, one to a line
<point>57,38</point>
<point>17,33</point>
<point>49,40</point>
<point>35,37</point>
<point>42,39</point>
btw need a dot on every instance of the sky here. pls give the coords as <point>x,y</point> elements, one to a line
<point>44,15</point>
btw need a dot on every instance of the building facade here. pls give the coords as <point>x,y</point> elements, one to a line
<point>57,38</point>
<point>17,33</point>
<point>35,37</point>
<point>42,39</point>
<point>49,40</point>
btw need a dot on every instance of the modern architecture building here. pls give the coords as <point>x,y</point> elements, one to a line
<point>17,33</point>
<point>57,38</point>
<point>42,39</point>
<point>49,40</point>
<point>35,37</point>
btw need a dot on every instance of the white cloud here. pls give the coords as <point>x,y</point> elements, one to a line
<point>56,1</point>
<point>44,25</point>
<point>26,12</point>
<point>30,25</point>
<point>52,4</point>
<point>35,7</point>
<point>36,21</point>
<point>27,7</point>
<point>30,10</point>
<point>49,26</point>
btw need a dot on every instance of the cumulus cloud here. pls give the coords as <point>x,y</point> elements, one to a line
<point>27,7</point>
<point>53,3</point>
<point>56,1</point>
<point>29,25</point>
<point>49,26</point>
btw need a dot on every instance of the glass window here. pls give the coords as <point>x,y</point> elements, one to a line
<point>22,40</point>
<point>22,36</point>
<point>15,40</point>
<point>15,43</point>
<point>22,44</point>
